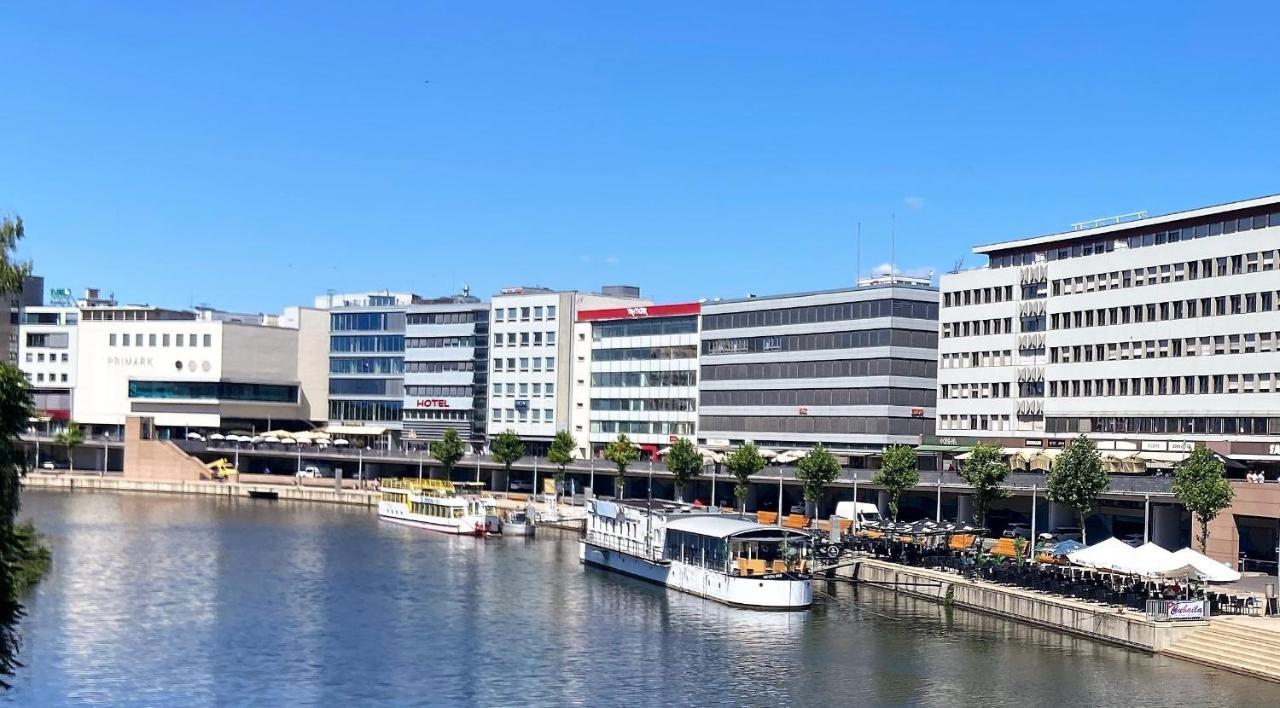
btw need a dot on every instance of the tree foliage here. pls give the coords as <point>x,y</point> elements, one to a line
<point>560,453</point>
<point>70,437</point>
<point>684,462</point>
<point>507,449</point>
<point>1200,486</point>
<point>815,472</point>
<point>12,272</point>
<point>1077,478</point>
<point>986,471</point>
<point>897,474</point>
<point>448,450</point>
<point>621,452</point>
<point>742,463</point>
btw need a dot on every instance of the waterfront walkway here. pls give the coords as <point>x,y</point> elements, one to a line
<point>324,491</point>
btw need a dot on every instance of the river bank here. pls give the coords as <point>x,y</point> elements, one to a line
<point>311,493</point>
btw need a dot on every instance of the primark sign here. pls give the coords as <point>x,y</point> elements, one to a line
<point>131,362</point>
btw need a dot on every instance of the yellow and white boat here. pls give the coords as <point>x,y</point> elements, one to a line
<point>439,505</point>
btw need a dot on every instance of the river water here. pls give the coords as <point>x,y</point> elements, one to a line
<point>194,601</point>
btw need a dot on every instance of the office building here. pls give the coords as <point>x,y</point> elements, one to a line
<point>446,364</point>
<point>366,357</point>
<point>638,376</point>
<point>530,340</point>
<point>11,306</point>
<point>853,368</point>
<point>47,355</point>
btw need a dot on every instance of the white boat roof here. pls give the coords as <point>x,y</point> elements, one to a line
<point>715,526</point>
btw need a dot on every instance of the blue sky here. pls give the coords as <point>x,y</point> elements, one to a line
<point>253,157</point>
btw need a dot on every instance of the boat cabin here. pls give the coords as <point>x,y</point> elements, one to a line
<point>736,546</point>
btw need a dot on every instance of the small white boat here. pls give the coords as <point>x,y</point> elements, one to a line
<point>717,556</point>
<point>517,523</point>
<point>439,505</point>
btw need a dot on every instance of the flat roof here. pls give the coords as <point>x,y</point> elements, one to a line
<point>811,293</point>
<point>1130,225</point>
<point>715,525</point>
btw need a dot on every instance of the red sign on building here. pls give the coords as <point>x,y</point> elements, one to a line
<point>640,312</point>
<point>433,403</point>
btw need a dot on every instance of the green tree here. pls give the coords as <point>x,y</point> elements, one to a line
<point>684,462</point>
<point>815,472</point>
<point>986,471</point>
<point>897,474</point>
<point>507,449</point>
<point>561,453</point>
<point>1199,485</point>
<point>742,463</point>
<point>1077,479</point>
<point>621,452</point>
<point>70,437</point>
<point>22,557</point>
<point>448,450</point>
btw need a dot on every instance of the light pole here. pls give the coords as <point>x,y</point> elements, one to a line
<point>1146,518</point>
<point>855,501</point>
<point>779,519</point>
<point>938,518</point>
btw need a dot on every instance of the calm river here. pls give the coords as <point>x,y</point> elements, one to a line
<point>193,601</point>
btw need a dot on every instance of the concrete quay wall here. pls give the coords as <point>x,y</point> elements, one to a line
<point>226,489</point>
<point>1100,622</point>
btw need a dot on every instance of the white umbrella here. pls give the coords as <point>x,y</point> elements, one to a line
<point>270,439</point>
<point>341,441</point>
<point>195,436</point>
<point>767,454</point>
<point>288,441</point>
<point>255,439</point>
<point>322,443</point>
<point>217,436</point>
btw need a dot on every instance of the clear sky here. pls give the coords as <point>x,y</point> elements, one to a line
<point>253,155</point>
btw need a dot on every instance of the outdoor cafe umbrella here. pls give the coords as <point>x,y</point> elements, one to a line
<point>341,441</point>
<point>288,441</point>
<point>270,439</point>
<point>255,439</point>
<point>217,436</point>
<point>195,436</point>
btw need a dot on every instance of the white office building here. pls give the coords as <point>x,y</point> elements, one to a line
<point>1149,335</point>
<point>530,343</point>
<point>47,355</point>
<point>638,376</point>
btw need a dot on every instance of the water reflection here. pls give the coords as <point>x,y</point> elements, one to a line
<point>195,601</point>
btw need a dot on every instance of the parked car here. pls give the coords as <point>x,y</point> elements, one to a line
<point>864,511</point>
<point>1017,530</point>
<point>518,485</point>
<point>309,472</point>
<point>1068,533</point>
<point>48,465</point>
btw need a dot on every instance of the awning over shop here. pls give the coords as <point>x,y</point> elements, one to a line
<point>940,449</point>
<point>353,430</point>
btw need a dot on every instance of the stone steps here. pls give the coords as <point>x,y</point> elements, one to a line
<point>1233,647</point>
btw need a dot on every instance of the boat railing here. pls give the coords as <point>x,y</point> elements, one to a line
<point>622,545</point>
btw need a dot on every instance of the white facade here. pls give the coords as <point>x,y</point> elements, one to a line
<point>530,347</point>
<point>47,355</point>
<point>124,367</point>
<point>445,369</point>
<point>1164,330</point>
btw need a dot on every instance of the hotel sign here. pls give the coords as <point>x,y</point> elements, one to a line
<point>432,403</point>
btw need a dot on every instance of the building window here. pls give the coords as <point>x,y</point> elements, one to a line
<point>151,340</point>
<point>64,378</point>
<point>524,314</point>
<point>164,340</point>
<point>124,340</point>
<point>511,389</point>
<point>537,312</point>
<point>537,363</point>
<point>551,363</point>
<point>524,389</point>
<point>551,389</point>
<point>497,412</point>
<point>111,342</point>
<point>551,312</point>
<point>536,415</point>
<point>524,363</point>
<point>551,337</point>
<point>497,365</point>
<point>497,317</point>
<point>537,389</point>
<point>191,340</point>
<point>208,340</point>
<point>547,415</point>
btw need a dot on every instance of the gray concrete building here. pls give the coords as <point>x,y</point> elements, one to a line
<point>854,369</point>
<point>446,369</point>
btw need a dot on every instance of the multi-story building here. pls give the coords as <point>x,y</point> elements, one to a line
<point>638,376</point>
<point>11,306</point>
<point>1148,335</point>
<point>446,364</point>
<point>530,341</point>
<point>47,355</point>
<point>853,369</point>
<point>188,371</point>
<point>366,357</point>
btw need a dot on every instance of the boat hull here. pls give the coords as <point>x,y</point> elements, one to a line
<point>756,593</point>
<point>465,526</point>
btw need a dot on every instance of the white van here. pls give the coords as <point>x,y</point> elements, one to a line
<point>862,511</point>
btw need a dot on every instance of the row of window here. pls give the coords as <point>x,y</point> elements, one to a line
<point>1265,382</point>
<point>510,364</point>
<point>978,296</point>
<point>367,343</point>
<point>367,365</point>
<point>366,387</point>
<point>971,360</point>
<point>50,318</point>
<point>523,415</point>
<point>866,309</point>
<point>976,328</point>
<point>1167,311</point>
<point>645,378</point>
<point>1252,262</point>
<point>538,389</point>
<point>442,391</point>
<point>1164,348</point>
<point>214,390</point>
<point>642,427</point>
<point>678,405</point>
<point>443,342</point>
<point>366,321</point>
<point>436,414</point>
<point>685,351</point>
<point>437,367</point>
<point>40,377</point>
<point>921,397</point>
<point>999,389</point>
<point>839,368</point>
<point>375,411</point>
<point>644,328</point>
<point>151,340</point>
<point>1164,425</point>
<point>801,424</point>
<point>1217,227</point>
<point>922,339</point>
<point>526,314</point>
<point>536,339</point>
<point>53,357</point>
<point>974,422</point>
<point>50,340</point>
<point>446,318</point>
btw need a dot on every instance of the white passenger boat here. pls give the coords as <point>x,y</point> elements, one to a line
<point>717,556</point>
<point>517,523</point>
<point>439,505</point>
